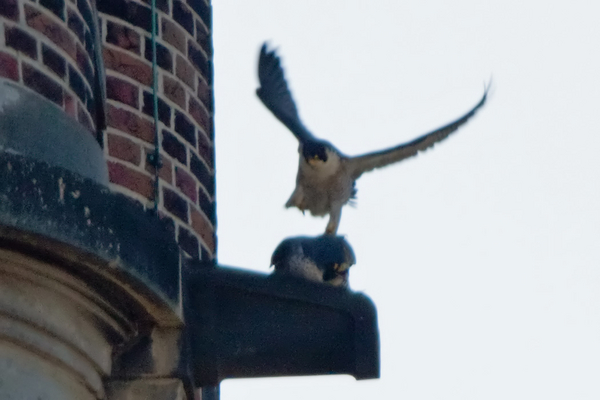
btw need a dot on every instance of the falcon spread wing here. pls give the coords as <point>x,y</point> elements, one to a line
<point>275,94</point>
<point>368,162</point>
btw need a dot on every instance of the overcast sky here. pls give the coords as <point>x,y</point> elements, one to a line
<point>483,254</point>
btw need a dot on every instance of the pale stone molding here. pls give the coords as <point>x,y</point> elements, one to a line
<point>56,334</point>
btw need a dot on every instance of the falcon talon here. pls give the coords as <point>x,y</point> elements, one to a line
<point>326,178</point>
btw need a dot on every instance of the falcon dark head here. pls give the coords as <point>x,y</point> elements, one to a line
<point>324,259</point>
<point>326,178</point>
<point>315,150</point>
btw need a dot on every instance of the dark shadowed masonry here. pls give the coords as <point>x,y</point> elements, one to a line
<point>109,283</point>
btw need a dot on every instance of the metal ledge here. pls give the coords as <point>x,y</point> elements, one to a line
<point>244,324</point>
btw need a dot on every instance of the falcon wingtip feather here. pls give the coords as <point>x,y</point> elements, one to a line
<point>325,180</point>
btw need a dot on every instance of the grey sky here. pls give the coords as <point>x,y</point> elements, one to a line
<point>482,254</point>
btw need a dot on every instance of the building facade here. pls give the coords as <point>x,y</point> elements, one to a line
<point>108,285</point>
<point>64,50</point>
<point>94,237</point>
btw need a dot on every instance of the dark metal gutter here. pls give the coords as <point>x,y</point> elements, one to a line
<point>244,324</point>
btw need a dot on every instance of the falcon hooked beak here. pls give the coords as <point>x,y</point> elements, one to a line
<point>323,259</point>
<point>326,178</point>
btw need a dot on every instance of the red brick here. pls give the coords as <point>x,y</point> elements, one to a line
<point>175,204</point>
<point>203,37</point>
<point>84,64</point>
<point>164,109</point>
<point>188,242</point>
<point>207,205</point>
<point>9,67</point>
<point>123,37</point>
<point>197,57</point>
<point>162,5</point>
<point>185,128</point>
<point>200,115</point>
<point>185,72</point>
<point>131,179</point>
<point>183,15</point>
<point>75,24</point>
<point>9,9</point>
<point>202,172</point>
<point>205,149</point>
<point>83,117</point>
<point>174,91</point>
<point>203,9</point>
<point>186,184</point>
<point>76,83</point>
<point>124,149</point>
<point>166,170</point>
<point>205,94</point>
<point>120,90</point>
<point>127,10</point>
<point>21,41</point>
<point>121,62</point>
<point>70,106</point>
<point>174,35</point>
<point>42,84</point>
<point>56,6</point>
<point>202,227</point>
<point>53,60</point>
<point>164,58</point>
<point>131,123</point>
<point>52,29</point>
<point>174,147</point>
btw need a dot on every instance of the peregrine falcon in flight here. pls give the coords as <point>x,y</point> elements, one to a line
<point>326,177</point>
<point>324,259</point>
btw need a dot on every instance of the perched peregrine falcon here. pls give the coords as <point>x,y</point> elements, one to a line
<point>326,177</point>
<point>325,259</point>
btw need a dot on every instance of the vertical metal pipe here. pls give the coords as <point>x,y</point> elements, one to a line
<point>154,158</point>
<point>99,79</point>
<point>211,393</point>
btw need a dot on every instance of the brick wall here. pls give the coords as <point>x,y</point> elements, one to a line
<point>48,46</point>
<point>186,195</point>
